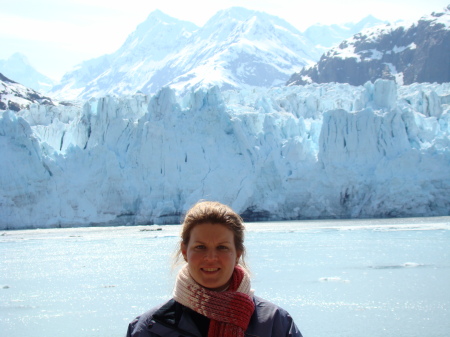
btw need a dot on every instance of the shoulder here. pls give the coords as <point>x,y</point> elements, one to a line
<point>139,327</point>
<point>269,320</point>
<point>268,310</point>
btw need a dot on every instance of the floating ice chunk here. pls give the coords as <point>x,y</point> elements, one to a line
<point>398,266</point>
<point>411,264</point>
<point>333,279</point>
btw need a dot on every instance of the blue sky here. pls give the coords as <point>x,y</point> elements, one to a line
<point>56,35</point>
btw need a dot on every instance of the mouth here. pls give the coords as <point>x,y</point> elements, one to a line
<point>210,270</point>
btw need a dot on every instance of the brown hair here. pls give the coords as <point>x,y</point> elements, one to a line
<point>215,213</point>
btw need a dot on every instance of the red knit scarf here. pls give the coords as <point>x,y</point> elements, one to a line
<point>229,311</point>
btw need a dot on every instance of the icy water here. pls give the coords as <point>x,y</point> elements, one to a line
<point>336,278</point>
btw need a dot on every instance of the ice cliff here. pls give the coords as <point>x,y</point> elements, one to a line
<point>315,151</point>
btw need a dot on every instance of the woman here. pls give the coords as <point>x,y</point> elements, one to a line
<point>212,296</point>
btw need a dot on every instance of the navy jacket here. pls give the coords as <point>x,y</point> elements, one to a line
<point>174,320</point>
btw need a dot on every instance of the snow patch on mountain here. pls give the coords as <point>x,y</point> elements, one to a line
<point>439,18</point>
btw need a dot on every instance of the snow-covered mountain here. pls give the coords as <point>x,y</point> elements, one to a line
<point>419,52</point>
<point>236,48</point>
<point>137,60</point>
<point>314,151</point>
<point>325,37</point>
<point>14,96</point>
<point>18,68</point>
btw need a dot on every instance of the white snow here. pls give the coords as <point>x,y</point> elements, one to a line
<point>329,150</point>
<point>18,94</point>
<point>393,71</point>
<point>403,48</point>
<point>348,52</point>
<point>375,54</point>
<point>164,51</point>
<point>440,18</point>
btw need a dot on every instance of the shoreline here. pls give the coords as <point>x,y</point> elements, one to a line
<point>303,223</point>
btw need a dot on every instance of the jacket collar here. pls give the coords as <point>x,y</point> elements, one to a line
<point>169,321</point>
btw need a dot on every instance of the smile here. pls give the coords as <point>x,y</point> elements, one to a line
<point>210,269</point>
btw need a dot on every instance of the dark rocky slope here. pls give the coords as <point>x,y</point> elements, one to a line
<point>14,96</point>
<point>408,54</point>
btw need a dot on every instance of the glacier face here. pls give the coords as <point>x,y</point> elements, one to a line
<point>315,151</point>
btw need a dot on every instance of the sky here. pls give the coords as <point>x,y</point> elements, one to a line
<point>56,35</point>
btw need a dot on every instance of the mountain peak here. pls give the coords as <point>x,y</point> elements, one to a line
<point>18,58</point>
<point>157,21</point>
<point>369,21</point>
<point>327,36</point>
<point>244,14</point>
<point>18,68</point>
<point>228,17</point>
<point>158,15</point>
<point>236,20</point>
<point>236,47</point>
<point>239,13</point>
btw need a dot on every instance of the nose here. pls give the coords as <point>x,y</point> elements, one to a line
<point>210,254</point>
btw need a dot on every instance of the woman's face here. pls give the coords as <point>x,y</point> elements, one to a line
<point>211,255</point>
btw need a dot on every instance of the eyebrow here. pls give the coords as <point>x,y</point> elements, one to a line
<point>219,243</point>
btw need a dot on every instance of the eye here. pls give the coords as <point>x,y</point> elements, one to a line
<point>222,247</point>
<point>200,247</point>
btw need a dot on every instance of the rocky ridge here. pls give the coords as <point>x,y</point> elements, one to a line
<point>409,54</point>
<point>14,96</point>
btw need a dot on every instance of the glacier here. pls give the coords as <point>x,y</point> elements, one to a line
<point>300,152</point>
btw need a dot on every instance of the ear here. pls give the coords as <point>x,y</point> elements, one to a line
<point>184,251</point>
<point>238,256</point>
